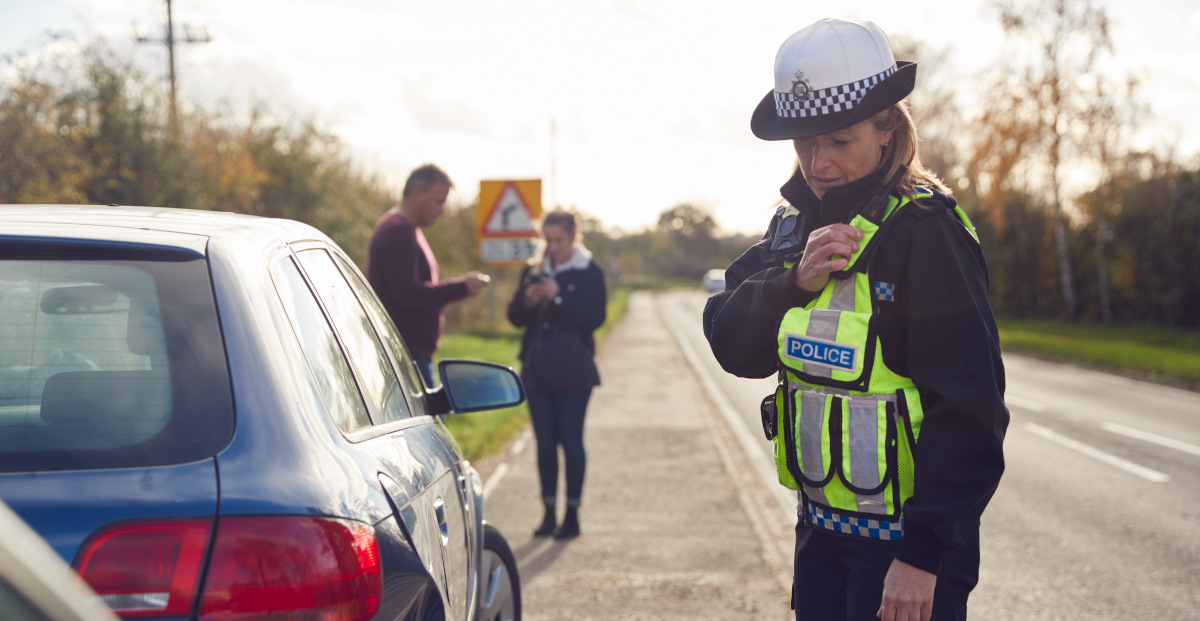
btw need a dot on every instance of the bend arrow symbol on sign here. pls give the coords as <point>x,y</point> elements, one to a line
<point>510,215</point>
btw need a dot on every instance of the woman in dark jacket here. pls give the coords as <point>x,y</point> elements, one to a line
<point>564,291</point>
<point>868,297</point>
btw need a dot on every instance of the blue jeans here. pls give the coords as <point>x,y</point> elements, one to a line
<point>558,420</point>
<point>425,366</point>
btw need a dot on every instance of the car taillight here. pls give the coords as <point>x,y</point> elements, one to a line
<point>276,567</point>
<point>142,569</point>
<point>321,568</point>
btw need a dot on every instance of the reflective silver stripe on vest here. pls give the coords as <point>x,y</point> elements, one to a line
<point>861,527</point>
<point>823,324</point>
<point>864,451</point>
<point>811,430</point>
<point>843,295</point>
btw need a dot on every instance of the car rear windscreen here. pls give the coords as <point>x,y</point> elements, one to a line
<point>108,361</point>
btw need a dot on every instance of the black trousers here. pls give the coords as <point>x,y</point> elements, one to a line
<point>840,578</point>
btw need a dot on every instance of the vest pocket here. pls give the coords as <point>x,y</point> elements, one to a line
<point>786,465</point>
<point>842,450</point>
<point>829,347</point>
<point>868,439</point>
<point>802,448</point>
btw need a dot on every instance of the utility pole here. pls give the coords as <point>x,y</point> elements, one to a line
<point>169,40</point>
<point>553,164</point>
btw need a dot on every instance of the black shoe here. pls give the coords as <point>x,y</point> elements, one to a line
<point>547,527</point>
<point>570,525</point>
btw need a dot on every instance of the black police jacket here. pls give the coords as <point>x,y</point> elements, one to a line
<point>938,330</point>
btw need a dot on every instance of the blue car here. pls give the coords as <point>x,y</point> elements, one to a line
<point>210,416</point>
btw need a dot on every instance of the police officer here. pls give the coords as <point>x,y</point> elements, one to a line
<point>868,299</point>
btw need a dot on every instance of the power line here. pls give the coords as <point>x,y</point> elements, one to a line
<point>170,41</point>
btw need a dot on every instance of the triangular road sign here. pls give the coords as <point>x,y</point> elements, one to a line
<point>510,215</point>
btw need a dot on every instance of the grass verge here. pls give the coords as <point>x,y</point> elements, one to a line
<point>1167,355</point>
<point>483,433</point>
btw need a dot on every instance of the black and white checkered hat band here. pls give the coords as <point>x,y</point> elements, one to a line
<point>827,100</point>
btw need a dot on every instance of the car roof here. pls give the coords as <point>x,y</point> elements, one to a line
<point>189,228</point>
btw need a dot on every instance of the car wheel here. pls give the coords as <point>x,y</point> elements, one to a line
<point>501,596</point>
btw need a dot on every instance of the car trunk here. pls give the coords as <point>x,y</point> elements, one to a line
<point>66,507</point>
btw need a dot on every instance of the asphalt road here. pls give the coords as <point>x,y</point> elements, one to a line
<point>1098,514</point>
<point>672,519</point>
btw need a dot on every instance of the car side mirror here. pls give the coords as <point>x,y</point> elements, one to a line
<point>471,386</point>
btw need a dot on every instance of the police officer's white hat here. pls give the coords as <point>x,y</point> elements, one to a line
<point>828,76</point>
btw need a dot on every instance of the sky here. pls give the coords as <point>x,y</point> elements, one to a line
<point>623,109</point>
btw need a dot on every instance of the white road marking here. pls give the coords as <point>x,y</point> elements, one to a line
<point>773,534</point>
<point>1153,476</point>
<point>498,474</point>
<point>1152,438</point>
<point>519,445</point>
<point>1024,404</point>
<point>787,500</point>
<point>494,480</point>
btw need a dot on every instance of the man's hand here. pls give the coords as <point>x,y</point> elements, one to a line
<point>907,593</point>
<point>828,250</point>
<point>476,281</point>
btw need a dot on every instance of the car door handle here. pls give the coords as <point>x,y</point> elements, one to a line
<point>439,510</point>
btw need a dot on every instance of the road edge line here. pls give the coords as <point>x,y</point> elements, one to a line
<point>776,536</point>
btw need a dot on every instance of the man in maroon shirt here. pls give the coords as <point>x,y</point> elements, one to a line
<point>402,269</point>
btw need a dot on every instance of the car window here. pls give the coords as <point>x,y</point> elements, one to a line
<point>107,362</point>
<point>16,606</point>
<point>410,378</point>
<point>367,356</point>
<point>324,354</point>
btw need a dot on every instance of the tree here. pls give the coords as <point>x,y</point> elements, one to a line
<point>1036,124</point>
<point>688,235</point>
<point>935,108</point>
<point>1113,116</point>
<point>1154,253</point>
<point>78,124</point>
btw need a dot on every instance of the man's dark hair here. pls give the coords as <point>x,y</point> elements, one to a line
<point>424,177</point>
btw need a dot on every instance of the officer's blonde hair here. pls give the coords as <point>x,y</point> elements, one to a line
<point>902,150</point>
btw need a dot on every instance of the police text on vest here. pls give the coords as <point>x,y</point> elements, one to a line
<point>821,352</point>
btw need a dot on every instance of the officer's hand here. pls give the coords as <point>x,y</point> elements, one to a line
<point>828,250</point>
<point>476,281</point>
<point>907,593</point>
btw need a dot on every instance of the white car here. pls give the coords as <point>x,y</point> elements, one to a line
<point>714,281</point>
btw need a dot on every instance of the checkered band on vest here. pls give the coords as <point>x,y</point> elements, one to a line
<point>827,100</point>
<point>861,527</point>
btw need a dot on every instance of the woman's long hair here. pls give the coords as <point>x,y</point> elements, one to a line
<point>901,150</point>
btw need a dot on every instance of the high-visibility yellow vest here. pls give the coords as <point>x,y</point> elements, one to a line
<point>847,424</point>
